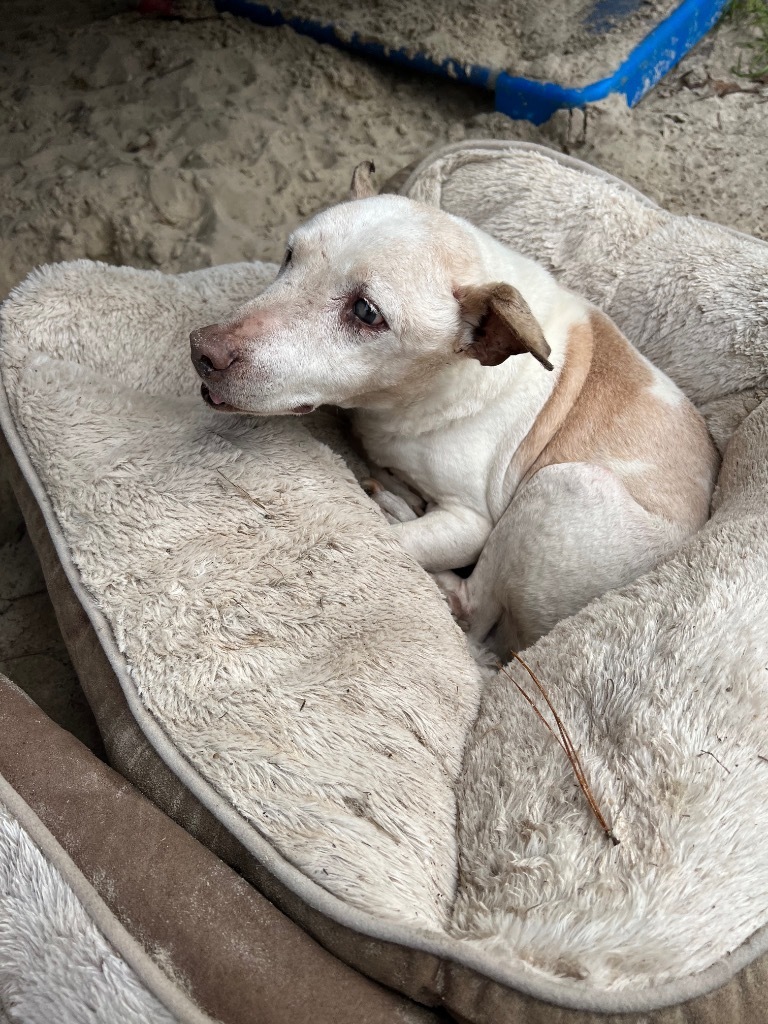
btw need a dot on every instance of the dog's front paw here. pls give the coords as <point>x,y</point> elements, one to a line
<point>394,507</point>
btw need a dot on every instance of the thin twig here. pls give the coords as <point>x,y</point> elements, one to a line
<point>701,752</point>
<point>242,491</point>
<point>564,740</point>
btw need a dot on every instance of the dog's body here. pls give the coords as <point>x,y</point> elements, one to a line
<point>587,479</point>
<point>561,484</point>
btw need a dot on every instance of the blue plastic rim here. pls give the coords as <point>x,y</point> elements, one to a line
<point>525,98</point>
<point>651,59</point>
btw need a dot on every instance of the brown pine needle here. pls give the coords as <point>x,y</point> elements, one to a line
<point>242,492</point>
<point>531,701</point>
<point>563,738</point>
<point>565,741</point>
<point>569,749</point>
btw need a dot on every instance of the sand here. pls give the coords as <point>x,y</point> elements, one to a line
<point>572,42</point>
<point>177,144</point>
<point>182,143</point>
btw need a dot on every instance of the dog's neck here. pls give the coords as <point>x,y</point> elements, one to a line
<point>459,391</point>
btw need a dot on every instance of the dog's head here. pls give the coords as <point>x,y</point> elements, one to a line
<point>373,298</point>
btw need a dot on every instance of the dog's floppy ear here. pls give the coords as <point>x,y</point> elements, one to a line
<point>362,180</point>
<point>502,325</point>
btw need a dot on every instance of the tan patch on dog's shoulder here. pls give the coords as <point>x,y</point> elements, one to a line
<point>659,449</point>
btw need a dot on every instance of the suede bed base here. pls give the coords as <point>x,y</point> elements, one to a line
<point>167,992</point>
<point>734,993</point>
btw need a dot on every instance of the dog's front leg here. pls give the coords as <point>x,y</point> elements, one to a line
<point>444,538</point>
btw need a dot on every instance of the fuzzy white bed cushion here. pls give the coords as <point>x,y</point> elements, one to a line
<point>281,652</point>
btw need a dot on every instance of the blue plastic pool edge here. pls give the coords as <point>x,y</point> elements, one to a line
<point>525,98</point>
<point>651,59</point>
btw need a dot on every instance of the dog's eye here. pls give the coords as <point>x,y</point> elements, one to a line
<point>288,257</point>
<point>364,311</point>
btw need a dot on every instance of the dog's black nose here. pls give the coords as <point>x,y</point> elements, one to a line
<point>213,349</point>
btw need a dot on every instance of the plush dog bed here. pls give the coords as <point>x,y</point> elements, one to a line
<point>276,674</point>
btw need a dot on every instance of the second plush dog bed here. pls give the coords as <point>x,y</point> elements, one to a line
<point>268,665</point>
<point>112,914</point>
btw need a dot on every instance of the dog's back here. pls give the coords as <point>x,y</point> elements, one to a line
<point>616,471</point>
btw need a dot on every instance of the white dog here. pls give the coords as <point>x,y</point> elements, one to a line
<point>546,446</point>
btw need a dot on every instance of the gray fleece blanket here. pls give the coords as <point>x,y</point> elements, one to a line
<point>297,664</point>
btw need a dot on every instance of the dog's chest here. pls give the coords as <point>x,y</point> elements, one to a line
<point>445,469</point>
<point>463,463</point>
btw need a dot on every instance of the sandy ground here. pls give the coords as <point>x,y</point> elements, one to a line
<point>573,42</point>
<point>184,143</point>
